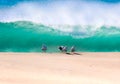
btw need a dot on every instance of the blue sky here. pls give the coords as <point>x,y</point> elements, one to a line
<point>12,2</point>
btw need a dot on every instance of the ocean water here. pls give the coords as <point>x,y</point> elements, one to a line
<point>92,26</point>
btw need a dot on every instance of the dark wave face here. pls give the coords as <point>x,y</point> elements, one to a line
<point>23,36</point>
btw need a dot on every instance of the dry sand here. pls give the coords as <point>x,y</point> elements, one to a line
<point>46,68</point>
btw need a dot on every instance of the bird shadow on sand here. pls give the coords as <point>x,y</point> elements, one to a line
<point>74,53</point>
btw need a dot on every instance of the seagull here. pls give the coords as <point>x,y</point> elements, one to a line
<point>44,48</point>
<point>72,49</point>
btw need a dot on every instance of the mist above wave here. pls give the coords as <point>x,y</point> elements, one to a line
<point>64,12</point>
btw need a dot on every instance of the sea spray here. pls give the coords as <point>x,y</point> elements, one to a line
<point>72,12</point>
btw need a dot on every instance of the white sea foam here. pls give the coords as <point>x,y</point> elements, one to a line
<point>68,12</point>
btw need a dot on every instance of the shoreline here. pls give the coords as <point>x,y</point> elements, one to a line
<point>52,68</point>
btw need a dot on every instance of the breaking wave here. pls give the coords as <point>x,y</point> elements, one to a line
<point>26,36</point>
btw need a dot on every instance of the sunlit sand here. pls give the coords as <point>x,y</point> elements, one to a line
<point>58,68</point>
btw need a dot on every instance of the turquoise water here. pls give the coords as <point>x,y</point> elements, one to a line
<point>24,36</point>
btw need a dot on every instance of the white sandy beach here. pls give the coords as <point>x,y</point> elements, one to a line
<point>57,68</point>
